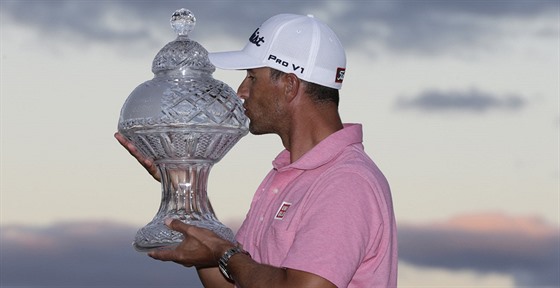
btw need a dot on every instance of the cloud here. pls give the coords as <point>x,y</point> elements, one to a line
<point>78,254</point>
<point>526,248</point>
<point>87,21</point>
<point>441,27</point>
<point>426,27</point>
<point>133,21</point>
<point>83,254</point>
<point>472,100</point>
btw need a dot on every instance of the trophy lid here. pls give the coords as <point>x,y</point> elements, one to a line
<point>183,91</point>
<point>182,54</point>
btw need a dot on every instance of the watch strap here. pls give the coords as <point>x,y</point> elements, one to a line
<point>223,261</point>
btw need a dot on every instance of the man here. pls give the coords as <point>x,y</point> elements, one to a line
<point>323,216</point>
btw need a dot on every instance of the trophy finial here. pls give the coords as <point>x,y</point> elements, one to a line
<point>183,21</point>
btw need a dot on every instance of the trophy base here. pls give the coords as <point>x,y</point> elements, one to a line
<point>159,236</point>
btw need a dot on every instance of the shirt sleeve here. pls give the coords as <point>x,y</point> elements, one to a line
<point>341,223</point>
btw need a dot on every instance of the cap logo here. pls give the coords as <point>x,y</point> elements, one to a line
<point>276,60</point>
<point>255,39</point>
<point>339,75</point>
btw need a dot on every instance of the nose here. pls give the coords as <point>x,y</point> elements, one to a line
<point>242,90</point>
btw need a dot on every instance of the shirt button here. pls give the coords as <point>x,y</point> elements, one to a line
<point>275,190</point>
<point>261,218</point>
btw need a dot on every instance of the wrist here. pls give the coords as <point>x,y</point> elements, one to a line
<point>224,261</point>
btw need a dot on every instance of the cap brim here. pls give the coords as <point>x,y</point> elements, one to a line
<point>234,60</point>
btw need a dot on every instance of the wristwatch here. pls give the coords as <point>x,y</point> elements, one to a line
<point>223,262</point>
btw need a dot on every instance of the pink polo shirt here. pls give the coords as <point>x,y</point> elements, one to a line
<point>329,213</point>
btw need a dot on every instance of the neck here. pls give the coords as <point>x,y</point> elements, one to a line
<point>310,128</point>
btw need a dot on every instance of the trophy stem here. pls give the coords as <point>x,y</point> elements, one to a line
<point>184,197</point>
<point>184,192</point>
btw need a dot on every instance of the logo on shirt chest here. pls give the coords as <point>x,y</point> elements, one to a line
<point>282,210</point>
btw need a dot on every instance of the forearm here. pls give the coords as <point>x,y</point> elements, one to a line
<point>212,278</point>
<point>249,274</point>
<point>246,272</point>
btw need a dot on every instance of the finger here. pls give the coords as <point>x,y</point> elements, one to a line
<point>126,144</point>
<point>147,163</point>
<point>163,254</point>
<point>169,255</point>
<point>119,137</point>
<point>178,225</point>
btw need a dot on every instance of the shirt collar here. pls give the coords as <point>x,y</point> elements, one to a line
<point>323,152</point>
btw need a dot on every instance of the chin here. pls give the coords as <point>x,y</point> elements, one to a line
<point>256,131</point>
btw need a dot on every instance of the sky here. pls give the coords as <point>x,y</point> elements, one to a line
<point>460,103</point>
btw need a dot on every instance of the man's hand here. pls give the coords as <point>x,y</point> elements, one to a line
<point>146,162</point>
<point>200,247</point>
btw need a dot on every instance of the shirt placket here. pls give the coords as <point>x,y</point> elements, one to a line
<point>271,193</point>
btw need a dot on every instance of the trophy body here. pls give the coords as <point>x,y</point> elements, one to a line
<point>185,120</point>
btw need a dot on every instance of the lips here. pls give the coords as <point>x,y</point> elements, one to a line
<point>245,110</point>
<point>244,104</point>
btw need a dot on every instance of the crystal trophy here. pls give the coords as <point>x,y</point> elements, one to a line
<point>185,120</point>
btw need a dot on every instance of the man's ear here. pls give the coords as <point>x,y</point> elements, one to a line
<point>292,85</point>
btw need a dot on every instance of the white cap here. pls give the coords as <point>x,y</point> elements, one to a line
<point>291,43</point>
